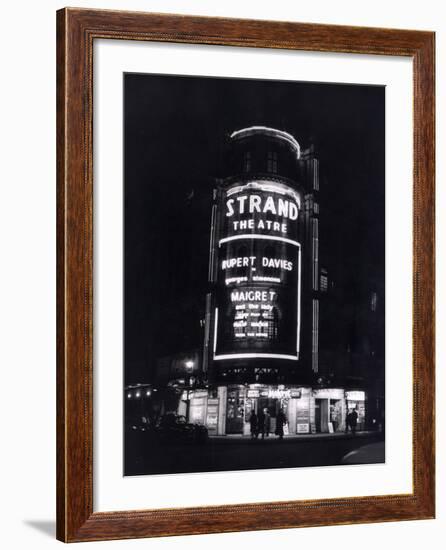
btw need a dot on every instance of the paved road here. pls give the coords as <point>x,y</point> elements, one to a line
<point>242,454</point>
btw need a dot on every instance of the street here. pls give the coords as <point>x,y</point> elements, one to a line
<point>236,453</point>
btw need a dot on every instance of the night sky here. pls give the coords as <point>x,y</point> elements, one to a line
<point>174,133</point>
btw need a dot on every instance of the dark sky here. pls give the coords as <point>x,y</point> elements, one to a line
<point>174,129</point>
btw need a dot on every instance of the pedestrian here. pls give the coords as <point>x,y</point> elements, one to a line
<point>353,421</point>
<point>348,421</point>
<point>261,423</point>
<point>267,421</point>
<point>253,420</point>
<point>280,421</point>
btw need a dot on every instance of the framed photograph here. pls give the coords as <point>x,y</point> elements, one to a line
<point>245,275</point>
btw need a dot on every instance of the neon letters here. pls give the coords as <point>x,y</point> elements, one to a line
<point>249,204</point>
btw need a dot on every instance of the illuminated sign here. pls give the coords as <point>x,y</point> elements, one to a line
<point>279,394</point>
<point>277,134</point>
<point>329,393</point>
<point>212,416</point>
<point>254,203</point>
<point>274,393</point>
<point>355,395</point>
<point>259,273</point>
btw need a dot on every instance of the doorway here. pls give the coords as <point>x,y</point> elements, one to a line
<point>235,412</point>
<point>321,415</point>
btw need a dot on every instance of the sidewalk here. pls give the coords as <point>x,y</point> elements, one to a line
<point>239,438</point>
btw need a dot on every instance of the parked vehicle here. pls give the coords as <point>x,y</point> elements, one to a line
<point>140,428</point>
<point>373,453</point>
<point>173,427</point>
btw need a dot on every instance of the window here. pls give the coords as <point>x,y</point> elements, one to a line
<point>271,165</point>
<point>324,280</point>
<point>247,161</point>
<point>324,283</point>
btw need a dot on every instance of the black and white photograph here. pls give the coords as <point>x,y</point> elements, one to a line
<point>222,277</point>
<point>254,274</point>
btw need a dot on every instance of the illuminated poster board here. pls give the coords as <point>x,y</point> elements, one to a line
<point>212,416</point>
<point>259,273</point>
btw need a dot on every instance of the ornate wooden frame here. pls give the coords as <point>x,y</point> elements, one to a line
<point>76,31</point>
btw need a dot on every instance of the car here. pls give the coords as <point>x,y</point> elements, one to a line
<point>173,428</point>
<point>140,428</point>
<point>372,453</point>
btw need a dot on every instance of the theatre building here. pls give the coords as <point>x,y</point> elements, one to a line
<point>261,342</point>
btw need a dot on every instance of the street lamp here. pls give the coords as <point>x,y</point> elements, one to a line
<point>189,364</point>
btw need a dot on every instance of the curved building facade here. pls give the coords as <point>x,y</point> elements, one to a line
<point>261,343</point>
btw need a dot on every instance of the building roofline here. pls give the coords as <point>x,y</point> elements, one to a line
<point>266,130</point>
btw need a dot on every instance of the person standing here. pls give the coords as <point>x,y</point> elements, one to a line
<point>267,421</point>
<point>253,421</point>
<point>280,422</point>
<point>261,424</point>
<point>348,421</point>
<point>353,421</point>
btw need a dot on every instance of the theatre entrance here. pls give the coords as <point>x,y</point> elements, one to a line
<point>235,411</point>
<point>272,405</point>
